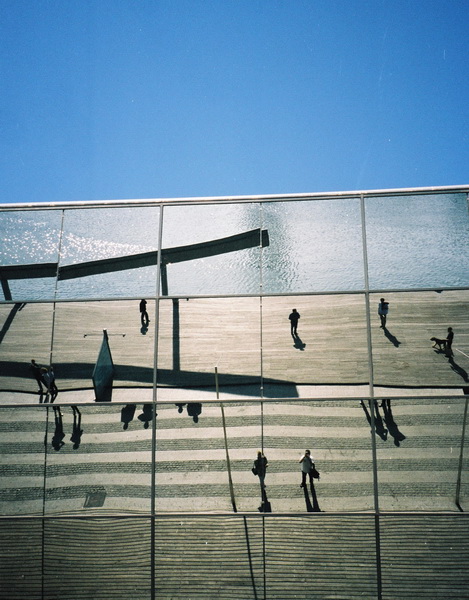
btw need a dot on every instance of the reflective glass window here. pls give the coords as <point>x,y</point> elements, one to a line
<point>417,241</point>
<point>314,246</point>
<point>212,249</point>
<point>29,250</point>
<point>109,252</point>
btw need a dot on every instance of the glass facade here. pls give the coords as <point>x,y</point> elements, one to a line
<point>131,471</point>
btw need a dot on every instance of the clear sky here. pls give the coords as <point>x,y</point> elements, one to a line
<point>111,99</point>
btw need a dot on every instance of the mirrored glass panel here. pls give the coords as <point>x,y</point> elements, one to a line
<point>98,458</point>
<point>212,249</point>
<point>333,547</point>
<point>229,546</point>
<point>418,241</point>
<point>111,556</point>
<point>29,247</point>
<point>314,346</point>
<point>410,343</point>
<point>337,436</point>
<point>109,252</point>
<point>100,348</point>
<point>205,453</point>
<point>315,245</point>
<point>199,335</point>
<point>25,336</point>
<point>418,448</point>
<point>462,483</point>
<point>21,544</point>
<point>424,556</point>
<point>22,460</point>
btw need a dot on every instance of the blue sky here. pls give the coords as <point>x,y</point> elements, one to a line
<point>175,98</point>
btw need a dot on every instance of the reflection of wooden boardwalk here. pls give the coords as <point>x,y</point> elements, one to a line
<point>245,338</point>
<point>106,556</point>
<point>231,558</point>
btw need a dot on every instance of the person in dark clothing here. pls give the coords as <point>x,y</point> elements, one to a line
<point>53,386</point>
<point>260,465</point>
<point>383,309</point>
<point>449,342</point>
<point>143,312</point>
<point>36,371</point>
<point>294,318</point>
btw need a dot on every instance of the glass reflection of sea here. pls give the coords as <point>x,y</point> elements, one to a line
<point>314,246</point>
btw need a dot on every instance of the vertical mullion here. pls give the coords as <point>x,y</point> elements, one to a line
<point>371,400</point>
<point>153,439</point>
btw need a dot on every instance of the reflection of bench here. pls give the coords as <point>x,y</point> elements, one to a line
<point>240,241</point>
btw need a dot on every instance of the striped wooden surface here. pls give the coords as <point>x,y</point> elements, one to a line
<point>246,338</point>
<point>417,452</point>
<point>226,556</point>
<point>313,557</point>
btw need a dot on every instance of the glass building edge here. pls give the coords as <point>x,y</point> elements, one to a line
<point>464,188</point>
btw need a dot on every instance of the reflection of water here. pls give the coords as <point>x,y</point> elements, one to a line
<point>314,246</point>
<point>418,241</point>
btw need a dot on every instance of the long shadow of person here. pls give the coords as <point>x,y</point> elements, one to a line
<point>457,369</point>
<point>314,505</point>
<point>57,439</point>
<point>77,431</point>
<point>194,409</point>
<point>309,506</point>
<point>299,345</point>
<point>265,506</point>
<point>379,425</point>
<point>127,415</point>
<point>391,337</point>
<point>315,499</point>
<point>391,424</point>
<point>180,406</point>
<point>147,415</point>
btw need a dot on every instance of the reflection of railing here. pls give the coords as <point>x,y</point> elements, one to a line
<point>241,241</point>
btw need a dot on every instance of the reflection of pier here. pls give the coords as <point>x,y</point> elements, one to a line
<point>241,241</point>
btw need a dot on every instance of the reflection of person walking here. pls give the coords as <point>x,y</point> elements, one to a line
<point>53,387</point>
<point>260,467</point>
<point>449,342</point>
<point>143,312</point>
<point>383,309</point>
<point>45,378</point>
<point>36,371</point>
<point>307,467</point>
<point>294,318</point>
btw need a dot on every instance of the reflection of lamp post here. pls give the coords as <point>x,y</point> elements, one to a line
<point>228,464</point>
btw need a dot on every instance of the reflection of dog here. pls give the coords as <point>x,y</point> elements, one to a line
<point>437,342</point>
